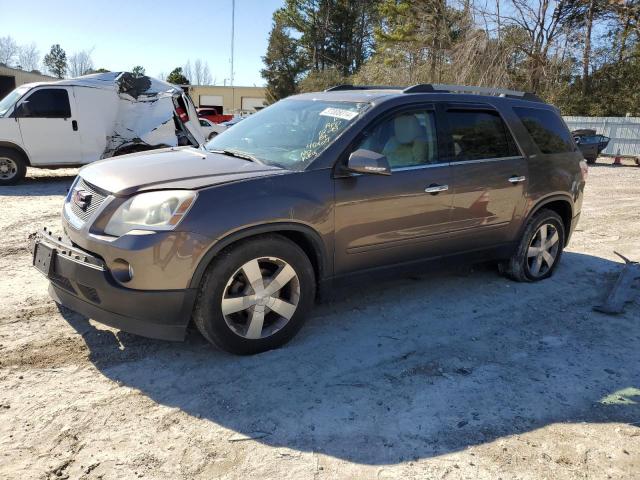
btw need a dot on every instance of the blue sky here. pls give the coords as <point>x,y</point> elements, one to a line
<point>159,35</point>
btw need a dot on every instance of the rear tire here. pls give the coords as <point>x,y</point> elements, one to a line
<point>13,167</point>
<point>240,308</point>
<point>539,250</point>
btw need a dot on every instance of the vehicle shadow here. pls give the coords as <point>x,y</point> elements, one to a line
<point>409,368</point>
<point>41,183</point>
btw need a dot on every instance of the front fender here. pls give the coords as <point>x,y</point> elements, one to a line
<point>299,202</point>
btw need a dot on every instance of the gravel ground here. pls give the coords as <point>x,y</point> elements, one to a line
<point>447,375</point>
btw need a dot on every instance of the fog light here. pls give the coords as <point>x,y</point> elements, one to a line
<point>122,270</point>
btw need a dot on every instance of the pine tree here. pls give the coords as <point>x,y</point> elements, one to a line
<point>177,77</point>
<point>283,62</point>
<point>138,71</point>
<point>56,61</point>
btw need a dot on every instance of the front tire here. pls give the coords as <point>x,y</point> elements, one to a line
<point>539,250</point>
<point>13,167</point>
<point>254,295</point>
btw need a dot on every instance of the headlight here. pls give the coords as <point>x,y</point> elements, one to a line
<point>160,210</point>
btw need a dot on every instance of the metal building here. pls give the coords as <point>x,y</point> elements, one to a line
<point>228,100</point>
<point>11,78</point>
<point>624,132</point>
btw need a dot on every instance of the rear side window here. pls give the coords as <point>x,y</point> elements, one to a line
<point>48,103</point>
<point>547,129</point>
<point>478,135</point>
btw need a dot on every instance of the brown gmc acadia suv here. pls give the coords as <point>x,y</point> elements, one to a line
<point>241,234</point>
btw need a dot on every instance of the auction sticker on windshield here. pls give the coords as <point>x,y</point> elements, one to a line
<point>339,113</point>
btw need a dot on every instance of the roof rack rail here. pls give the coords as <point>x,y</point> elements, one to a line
<point>441,88</point>
<point>346,86</point>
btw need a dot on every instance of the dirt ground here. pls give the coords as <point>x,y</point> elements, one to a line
<point>448,375</point>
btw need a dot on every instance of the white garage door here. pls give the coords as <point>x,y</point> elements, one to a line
<point>211,100</point>
<point>251,103</point>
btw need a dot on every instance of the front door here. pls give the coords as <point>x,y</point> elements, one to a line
<point>48,126</point>
<point>489,179</point>
<point>383,220</point>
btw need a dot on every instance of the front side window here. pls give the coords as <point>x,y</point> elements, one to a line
<point>480,135</point>
<point>47,103</point>
<point>407,139</point>
<point>290,133</point>
<point>547,129</point>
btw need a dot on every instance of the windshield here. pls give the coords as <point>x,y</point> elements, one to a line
<point>289,134</point>
<point>9,101</point>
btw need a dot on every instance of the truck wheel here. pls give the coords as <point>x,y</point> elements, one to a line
<point>540,249</point>
<point>254,296</point>
<point>13,168</point>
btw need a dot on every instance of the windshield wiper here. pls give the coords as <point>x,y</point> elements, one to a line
<point>238,154</point>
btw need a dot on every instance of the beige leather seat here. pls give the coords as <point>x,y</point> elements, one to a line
<point>408,145</point>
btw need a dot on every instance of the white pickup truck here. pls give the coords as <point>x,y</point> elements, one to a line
<point>77,121</point>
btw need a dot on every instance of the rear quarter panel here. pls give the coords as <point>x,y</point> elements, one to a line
<point>551,176</point>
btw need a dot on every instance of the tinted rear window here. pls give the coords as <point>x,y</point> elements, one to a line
<point>547,129</point>
<point>478,135</point>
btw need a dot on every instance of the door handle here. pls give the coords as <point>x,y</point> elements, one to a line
<point>74,125</point>
<point>517,179</point>
<point>435,189</point>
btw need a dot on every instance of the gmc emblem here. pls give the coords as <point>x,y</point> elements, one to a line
<point>81,198</point>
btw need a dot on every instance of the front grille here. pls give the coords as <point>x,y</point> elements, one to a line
<point>93,203</point>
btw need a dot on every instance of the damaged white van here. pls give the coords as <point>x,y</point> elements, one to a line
<point>81,120</point>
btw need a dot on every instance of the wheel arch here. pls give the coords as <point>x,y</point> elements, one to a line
<point>302,235</point>
<point>17,148</point>
<point>561,204</point>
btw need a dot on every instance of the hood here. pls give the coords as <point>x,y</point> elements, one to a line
<point>182,168</point>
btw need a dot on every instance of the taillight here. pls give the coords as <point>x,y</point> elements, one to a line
<point>182,114</point>
<point>584,169</point>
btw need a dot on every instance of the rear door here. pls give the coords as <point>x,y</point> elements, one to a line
<point>489,178</point>
<point>384,220</point>
<point>49,127</point>
<point>191,123</point>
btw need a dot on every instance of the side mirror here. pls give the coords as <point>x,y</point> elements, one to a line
<point>21,110</point>
<point>367,161</point>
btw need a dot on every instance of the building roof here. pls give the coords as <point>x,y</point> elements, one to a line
<point>17,71</point>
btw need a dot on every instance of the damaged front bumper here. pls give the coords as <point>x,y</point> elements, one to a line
<point>81,281</point>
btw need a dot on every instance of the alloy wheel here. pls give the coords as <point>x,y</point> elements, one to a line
<point>543,250</point>
<point>8,168</point>
<point>260,297</point>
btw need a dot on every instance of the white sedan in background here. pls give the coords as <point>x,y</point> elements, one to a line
<point>209,128</point>
<point>212,129</point>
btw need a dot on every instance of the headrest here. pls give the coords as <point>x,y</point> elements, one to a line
<point>407,128</point>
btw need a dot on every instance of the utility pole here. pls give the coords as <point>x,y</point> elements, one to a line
<point>233,24</point>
